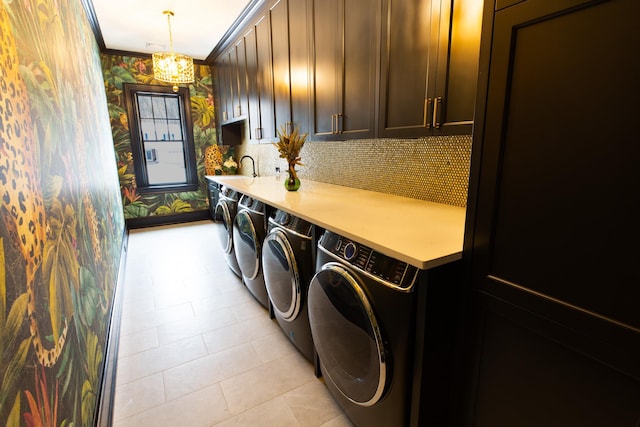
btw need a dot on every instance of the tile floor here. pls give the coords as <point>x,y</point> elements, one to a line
<point>196,349</point>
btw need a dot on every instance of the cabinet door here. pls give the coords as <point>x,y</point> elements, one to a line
<point>253,93</point>
<point>265,79</point>
<point>326,87</point>
<point>553,198</point>
<point>224,88</point>
<point>344,64</point>
<point>299,63</point>
<point>279,15</point>
<point>408,57</point>
<point>457,66</point>
<point>259,81</point>
<point>361,35</point>
<point>237,59</point>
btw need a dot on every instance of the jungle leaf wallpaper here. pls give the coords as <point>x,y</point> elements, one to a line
<point>61,218</point>
<point>118,70</point>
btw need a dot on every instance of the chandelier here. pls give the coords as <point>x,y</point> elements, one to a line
<point>172,67</point>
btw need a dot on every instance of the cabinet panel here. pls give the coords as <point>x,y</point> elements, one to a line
<point>325,62</point>
<point>344,64</point>
<point>457,72</point>
<point>239,78</point>
<point>559,127</point>
<point>406,48</point>
<point>279,15</point>
<point>265,79</point>
<point>299,63</point>
<point>430,52</point>
<point>553,222</point>
<point>224,88</point>
<point>360,65</point>
<point>253,93</point>
<point>259,81</point>
<point>534,372</point>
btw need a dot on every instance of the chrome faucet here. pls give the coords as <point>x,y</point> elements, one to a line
<point>253,164</point>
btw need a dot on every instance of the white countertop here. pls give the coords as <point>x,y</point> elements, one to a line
<point>421,233</point>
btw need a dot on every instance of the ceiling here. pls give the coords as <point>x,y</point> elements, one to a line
<point>139,26</point>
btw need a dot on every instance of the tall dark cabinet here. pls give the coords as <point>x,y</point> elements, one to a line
<point>552,236</point>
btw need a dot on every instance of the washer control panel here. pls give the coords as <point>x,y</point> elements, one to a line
<point>291,222</point>
<point>390,270</point>
<point>250,203</point>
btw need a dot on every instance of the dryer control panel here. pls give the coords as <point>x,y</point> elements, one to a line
<point>390,270</point>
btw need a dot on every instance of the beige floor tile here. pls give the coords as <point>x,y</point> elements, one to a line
<point>311,404</point>
<point>208,370</point>
<point>137,342</point>
<point>273,346</point>
<point>160,358</point>
<point>202,408</point>
<point>273,413</point>
<point>265,382</point>
<point>176,331</point>
<point>137,396</point>
<point>241,332</point>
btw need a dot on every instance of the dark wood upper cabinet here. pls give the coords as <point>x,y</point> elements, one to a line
<point>344,66</point>
<point>429,67</point>
<point>354,69</point>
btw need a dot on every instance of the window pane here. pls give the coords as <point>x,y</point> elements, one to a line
<point>162,132</point>
<point>175,130</point>
<point>148,129</point>
<point>173,108</point>
<point>159,109</point>
<point>144,104</point>
<point>165,162</point>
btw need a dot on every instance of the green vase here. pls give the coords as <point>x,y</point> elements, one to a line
<point>292,183</point>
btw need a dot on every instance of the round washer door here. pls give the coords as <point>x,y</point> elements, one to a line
<point>222,214</point>
<point>347,335</point>
<point>281,275</point>
<point>247,245</point>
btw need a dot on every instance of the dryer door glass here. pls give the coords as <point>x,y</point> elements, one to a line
<point>281,275</point>
<point>223,215</point>
<point>347,336</point>
<point>247,245</point>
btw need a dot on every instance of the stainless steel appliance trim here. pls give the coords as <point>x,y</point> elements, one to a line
<point>294,305</point>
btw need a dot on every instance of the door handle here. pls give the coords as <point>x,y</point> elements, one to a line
<point>339,123</point>
<point>437,101</point>
<point>425,119</point>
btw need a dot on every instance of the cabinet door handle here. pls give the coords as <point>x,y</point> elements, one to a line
<point>333,124</point>
<point>258,133</point>
<point>238,111</point>
<point>437,101</point>
<point>339,123</point>
<point>225,116</point>
<point>427,103</point>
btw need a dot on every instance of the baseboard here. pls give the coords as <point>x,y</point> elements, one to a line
<point>151,221</point>
<point>104,413</point>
